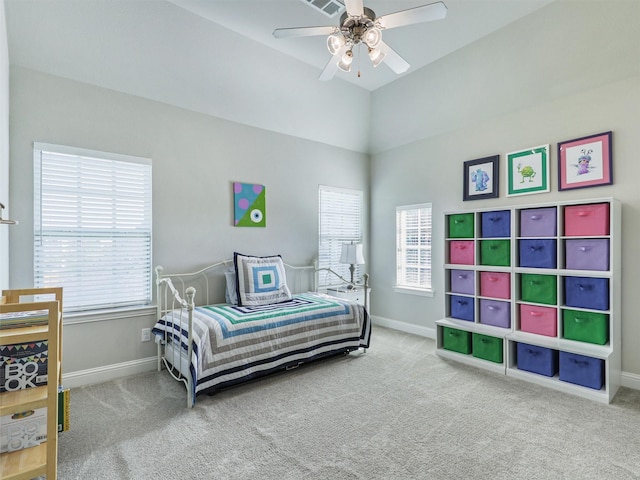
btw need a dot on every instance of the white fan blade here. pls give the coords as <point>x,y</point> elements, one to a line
<point>425,13</point>
<point>302,31</point>
<point>355,8</point>
<point>392,59</point>
<point>331,67</point>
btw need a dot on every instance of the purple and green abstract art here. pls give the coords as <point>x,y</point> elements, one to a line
<point>249,205</point>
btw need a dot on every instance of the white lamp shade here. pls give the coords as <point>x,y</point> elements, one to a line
<point>345,62</point>
<point>373,37</point>
<point>335,42</point>
<point>352,254</point>
<point>376,56</point>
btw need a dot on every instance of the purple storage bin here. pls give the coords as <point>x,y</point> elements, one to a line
<point>496,313</point>
<point>586,292</point>
<point>581,370</point>
<point>462,281</point>
<point>462,308</point>
<point>538,222</point>
<point>587,254</point>
<point>538,253</point>
<point>496,224</point>
<point>535,359</point>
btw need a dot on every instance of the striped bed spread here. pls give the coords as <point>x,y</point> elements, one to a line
<point>232,344</point>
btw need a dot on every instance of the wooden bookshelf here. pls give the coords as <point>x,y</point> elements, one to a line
<point>41,459</point>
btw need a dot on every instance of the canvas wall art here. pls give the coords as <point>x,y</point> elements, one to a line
<point>249,201</point>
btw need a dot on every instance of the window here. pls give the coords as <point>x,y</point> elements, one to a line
<point>413,248</point>
<point>340,222</point>
<point>92,226</point>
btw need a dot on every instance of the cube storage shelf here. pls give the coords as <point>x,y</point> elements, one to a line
<point>541,283</point>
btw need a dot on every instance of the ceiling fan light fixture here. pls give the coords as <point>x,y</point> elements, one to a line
<point>345,61</point>
<point>376,56</point>
<point>335,42</point>
<point>373,37</point>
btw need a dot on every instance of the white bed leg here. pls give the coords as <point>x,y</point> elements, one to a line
<point>159,348</point>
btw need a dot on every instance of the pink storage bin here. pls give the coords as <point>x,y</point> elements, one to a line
<point>586,220</point>
<point>461,252</point>
<point>539,320</point>
<point>495,284</point>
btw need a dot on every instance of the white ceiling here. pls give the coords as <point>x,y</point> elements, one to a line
<point>219,57</point>
<point>420,44</point>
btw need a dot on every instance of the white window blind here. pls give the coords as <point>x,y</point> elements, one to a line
<point>340,217</point>
<point>92,226</point>
<point>413,244</point>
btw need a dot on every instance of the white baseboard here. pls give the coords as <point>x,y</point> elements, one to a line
<point>90,376</point>
<point>629,380</point>
<point>404,327</point>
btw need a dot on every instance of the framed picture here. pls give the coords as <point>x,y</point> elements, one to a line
<point>528,171</point>
<point>249,205</point>
<point>481,178</point>
<point>585,162</point>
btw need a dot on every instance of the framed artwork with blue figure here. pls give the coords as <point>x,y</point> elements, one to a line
<point>481,178</point>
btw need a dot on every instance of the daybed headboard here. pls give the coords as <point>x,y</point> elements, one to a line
<point>209,284</point>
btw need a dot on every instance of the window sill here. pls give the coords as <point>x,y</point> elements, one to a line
<point>72,318</point>
<point>414,291</point>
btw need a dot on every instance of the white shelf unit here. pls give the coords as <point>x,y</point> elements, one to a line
<point>608,352</point>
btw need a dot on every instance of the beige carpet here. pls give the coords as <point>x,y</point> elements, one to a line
<point>396,412</point>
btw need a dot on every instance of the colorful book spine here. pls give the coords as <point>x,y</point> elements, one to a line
<point>64,409</point>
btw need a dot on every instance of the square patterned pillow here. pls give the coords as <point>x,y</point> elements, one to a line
<point>260,280</point>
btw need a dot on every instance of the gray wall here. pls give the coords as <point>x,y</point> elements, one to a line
<point>195,159</point>
<point>569,70</point>
<point>4,148</point>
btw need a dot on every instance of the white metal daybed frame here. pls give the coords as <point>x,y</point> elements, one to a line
<point>171,300</point>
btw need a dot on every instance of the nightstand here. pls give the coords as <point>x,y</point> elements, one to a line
<point>355,294</point>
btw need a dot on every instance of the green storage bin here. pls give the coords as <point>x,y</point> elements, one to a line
<point>539,288</point>
<point>487,347</point>
<point>496,253</point>
<point>461,225</point>
<point>456,340</point>
<point>590,327</point>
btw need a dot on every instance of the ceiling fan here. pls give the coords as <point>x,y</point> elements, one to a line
<point>359,25</point>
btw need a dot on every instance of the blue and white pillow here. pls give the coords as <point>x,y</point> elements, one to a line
<point>231,285</point>
<point>260,280</point>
